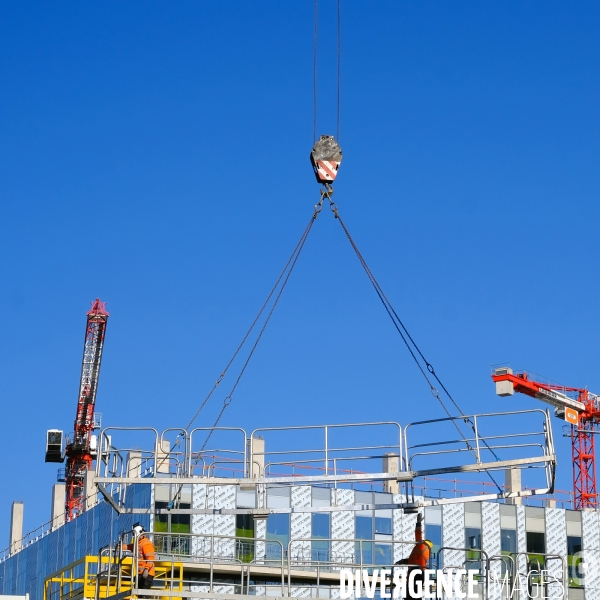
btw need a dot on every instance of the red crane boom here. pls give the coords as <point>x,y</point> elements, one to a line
<point>80,450</point>
<point>578,407</point>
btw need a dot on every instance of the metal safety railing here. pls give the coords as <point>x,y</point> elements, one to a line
<point>189,565</point>
<point>331,454</point>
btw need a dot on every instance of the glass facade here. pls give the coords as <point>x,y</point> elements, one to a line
<point>24,573</point>
<point>320,528</point>
<point>278,529</point>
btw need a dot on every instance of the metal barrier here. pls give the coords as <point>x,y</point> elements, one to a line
<point>302,458</point>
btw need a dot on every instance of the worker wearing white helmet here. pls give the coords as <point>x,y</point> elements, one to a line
<point>146,555</point>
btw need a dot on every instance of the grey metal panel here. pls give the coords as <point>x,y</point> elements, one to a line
<point>433,515</point>
<point>321,496</point>
<point>535,519</point>
<point>576,594</point>
<point>246,498</point>
<point>363,497</point>
<point>382,498</point>
<point>508,516</point>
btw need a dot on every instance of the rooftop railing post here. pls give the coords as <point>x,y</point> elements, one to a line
<point>476,438</point>
<point>326,450</point>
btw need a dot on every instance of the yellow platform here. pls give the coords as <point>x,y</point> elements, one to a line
<point>80,580</point>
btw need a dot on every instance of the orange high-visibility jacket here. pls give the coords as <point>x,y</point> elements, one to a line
<point>146,555</point>
<point>420,553</point>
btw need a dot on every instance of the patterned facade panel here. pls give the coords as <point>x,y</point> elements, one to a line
<point>490,530</point>
<point>219,528</point>
<point>203,588</point>
<point>224,525</point>
<point>201,524</point>
<point>300,528</point>
<point>404,528</point>
<point>260,532</point>
<point>590,529</point>
<point>301,592</point>
<point>300,523</point>
<point>301,496</point>
<point>397,516</point>
<point>522,549</point>
<point>342,525</point>
<point>556,543</point>
<point>453,534</point>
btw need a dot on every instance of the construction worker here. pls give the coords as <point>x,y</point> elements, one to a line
<point>146,556</point>
<point>418,558</point>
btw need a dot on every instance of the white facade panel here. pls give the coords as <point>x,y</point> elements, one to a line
<point>453,534</point>
<point>342,525</point>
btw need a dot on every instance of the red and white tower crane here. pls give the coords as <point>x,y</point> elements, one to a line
<point>578,407</point>
<point>80,449</point>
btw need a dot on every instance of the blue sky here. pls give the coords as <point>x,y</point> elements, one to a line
<point>155,155</point>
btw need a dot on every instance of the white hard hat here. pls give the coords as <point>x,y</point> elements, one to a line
<point>138,529</point>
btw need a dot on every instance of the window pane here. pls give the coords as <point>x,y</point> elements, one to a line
<point>473,544</point>
<point>320,529</point>
<point>576,572</point>
<point>278,529</point>
<point>364,528</point>
<point>383,554</point>
<point>536,542</point>
<point>434,535</point>
<point>320,525</point>
<point>367,553</point>
<point>508,540</point>
<point>383,525</point>
<point>244,528</point>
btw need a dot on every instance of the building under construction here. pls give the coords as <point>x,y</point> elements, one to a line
<point>281,511</point>
<point>278,512</point>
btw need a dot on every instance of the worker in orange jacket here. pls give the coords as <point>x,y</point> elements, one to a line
<point>419,557</point>
<point>146,557</point>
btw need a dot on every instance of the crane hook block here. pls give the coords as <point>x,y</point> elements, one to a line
<point>326,157</point>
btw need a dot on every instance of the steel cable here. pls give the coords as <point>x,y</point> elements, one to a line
<point>400,327</point>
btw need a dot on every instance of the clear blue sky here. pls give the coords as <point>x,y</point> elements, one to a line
<point>155,155</point>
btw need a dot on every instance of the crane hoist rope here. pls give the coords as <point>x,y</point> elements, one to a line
<point>283,279</point>
<point>405,336</point>
<point>292,263</point>
<point>339,65</point>
<point>296,251</point>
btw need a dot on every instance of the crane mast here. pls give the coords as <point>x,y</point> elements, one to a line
<point>80,451</point>
<point>578,407</point>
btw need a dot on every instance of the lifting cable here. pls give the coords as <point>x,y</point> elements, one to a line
<point>339,64</point>
<point>291,263</point>
<point>296,251</point>
<point>406,338</point>
<point>283,279</point>
<point>326,158</point>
